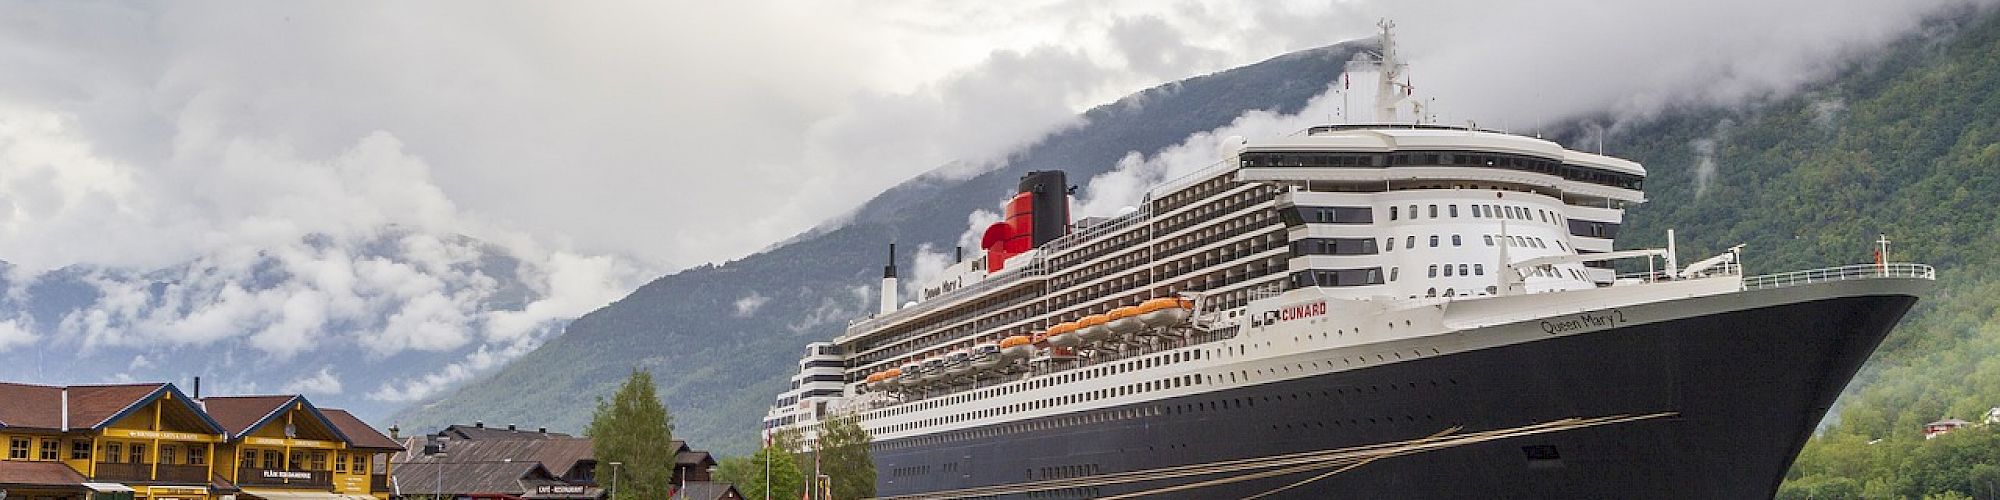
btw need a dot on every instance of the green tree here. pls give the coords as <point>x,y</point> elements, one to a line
<point>844,457</point>
<point>635,430</point>
<point>748,474</point>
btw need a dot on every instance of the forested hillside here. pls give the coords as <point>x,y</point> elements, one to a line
<point>721,340</point>
<point>1903,143</point>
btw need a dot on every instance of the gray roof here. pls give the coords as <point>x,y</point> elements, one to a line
<point>707,490</point>
<point>461,478</point>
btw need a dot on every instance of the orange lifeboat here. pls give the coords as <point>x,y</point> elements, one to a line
<point>1092,328</point>
<point>1017,347</point>
<point>1165,311</point>
<point>1064,335</point>
<point>1124,321</point>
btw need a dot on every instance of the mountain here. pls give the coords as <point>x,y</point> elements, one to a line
<point>721,340</point>
<point>365,322</point>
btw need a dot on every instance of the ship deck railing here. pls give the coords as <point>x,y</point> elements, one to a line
<point>1842,273</point>
<point>1033,268</point>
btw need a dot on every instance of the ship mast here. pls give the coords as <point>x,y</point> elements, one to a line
<point>1391,86</point>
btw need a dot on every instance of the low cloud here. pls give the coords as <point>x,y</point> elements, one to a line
<point>748,304</point>
<point>323,382</point>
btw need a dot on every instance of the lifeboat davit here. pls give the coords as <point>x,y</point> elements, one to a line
<point>957,363</point>
<point>1017,347</point>
<point>1064,335</point>
<point>1124,321</point>
<point>1165,311</point>
<point>911,375</point>
<point>1092,328</point>
<point>986,356</point>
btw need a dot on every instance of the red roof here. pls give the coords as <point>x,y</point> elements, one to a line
<point>237,414</point>
<point>90,406</point>
<point>18,472</point>
<point>359,434</point>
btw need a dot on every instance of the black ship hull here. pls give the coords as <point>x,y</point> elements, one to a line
<point>1744,389</point>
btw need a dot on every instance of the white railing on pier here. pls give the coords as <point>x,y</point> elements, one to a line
<point>1858,271</point>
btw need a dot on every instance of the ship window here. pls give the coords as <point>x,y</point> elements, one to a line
<point>1390,242</point>
<point>1432,293</point>
<point>1392,213</point>
<point>1413,211</point>
<point>1479,269</point>
<point>1461,270</point>
<point>1454,210</point>
<point>1447,270</point>
<point>1434,211</point>
<point>1455,241</point>
<point>1410,242</point>
<point>1489,240</point>
<point>1475,210</point>
<point>1434,270</point>
<point>1434,241</point>
<point>1393,271</point>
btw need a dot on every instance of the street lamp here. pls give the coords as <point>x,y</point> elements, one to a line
<point>614,479</point>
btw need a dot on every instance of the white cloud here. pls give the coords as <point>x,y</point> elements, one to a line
<point>748,304</point>
<point>323,382</point>
<point>12,333</point>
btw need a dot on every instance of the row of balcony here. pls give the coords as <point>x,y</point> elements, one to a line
<point>166,473</point>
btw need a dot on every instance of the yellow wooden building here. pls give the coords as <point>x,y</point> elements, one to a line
<point>152,442</point>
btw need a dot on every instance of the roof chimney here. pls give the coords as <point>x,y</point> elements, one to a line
<point>395,433</point>
<point>510,427</point>
<point>65,409</point>
<point>478,424</point>
<point>543,430</point>
<point>197,387</point>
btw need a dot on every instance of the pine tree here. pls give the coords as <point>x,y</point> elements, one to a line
<point>844,457</point>
<point>634,429</point>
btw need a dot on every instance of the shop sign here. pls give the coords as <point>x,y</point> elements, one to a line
<point>559,489</point>
<point>177,490</point>
<point>287,474</point>
<point>295,443</point>
<point>167,435</point>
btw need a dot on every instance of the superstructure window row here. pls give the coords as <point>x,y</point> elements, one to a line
<point>1523,163</point>
<point>1294,216</point>
<point>1334,246</point>
<point>1337,277</point>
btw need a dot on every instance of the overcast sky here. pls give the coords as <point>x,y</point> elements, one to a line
<point>674,133</point>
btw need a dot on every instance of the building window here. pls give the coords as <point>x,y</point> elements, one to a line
<point>17,448</point>
<point>79,450</point>
<point>197,454</point>
<point>167,452</point>
<point>249,460</point>
<point>270,459</point>
<point>360,466</point>
<point>51,450</point>
<point>319,460</point>
<point>136,454</point>
<point>339,464</point>
<point>112,452</point>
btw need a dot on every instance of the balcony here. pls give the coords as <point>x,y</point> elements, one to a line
<point>182,474</point>
<point>378,483</point>
<point>287,478</point>
<point>123,472</point>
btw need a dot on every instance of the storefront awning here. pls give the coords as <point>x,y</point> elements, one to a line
<point>108,487</point>
<point>301,495</point>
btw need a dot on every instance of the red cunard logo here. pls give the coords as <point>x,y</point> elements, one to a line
<point>1302,311</point>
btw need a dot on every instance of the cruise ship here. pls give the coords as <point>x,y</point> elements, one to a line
<point>1388,310</point>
